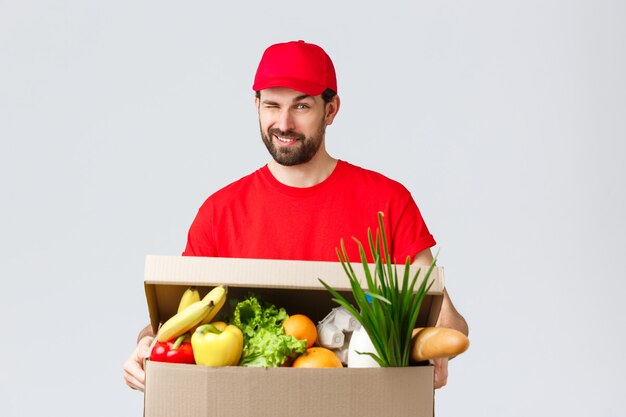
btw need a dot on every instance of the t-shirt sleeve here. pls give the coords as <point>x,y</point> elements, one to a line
<point>200,238</point>
<point>411,235</point>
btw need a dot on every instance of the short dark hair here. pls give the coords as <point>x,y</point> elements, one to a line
<point>327,95</point>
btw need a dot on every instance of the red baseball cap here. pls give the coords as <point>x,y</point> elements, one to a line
<point>297,65</point>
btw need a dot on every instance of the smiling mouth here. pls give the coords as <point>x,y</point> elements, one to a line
<point>285,140</point>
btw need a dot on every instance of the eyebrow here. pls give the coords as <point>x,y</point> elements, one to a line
<point>302,97</point>
<point>295,100</point>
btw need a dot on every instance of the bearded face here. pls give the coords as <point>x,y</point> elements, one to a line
<point>291,147</point>
<point>293,124</point>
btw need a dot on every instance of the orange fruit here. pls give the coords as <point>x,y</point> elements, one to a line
<point>318,357</point>
<point>302,328</point>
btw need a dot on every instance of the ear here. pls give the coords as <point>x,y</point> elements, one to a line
<point>332,108</point>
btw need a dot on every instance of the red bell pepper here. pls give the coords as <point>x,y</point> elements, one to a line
<point>173,351</point>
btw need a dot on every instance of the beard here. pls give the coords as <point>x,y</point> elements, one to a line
<point>298,153</point>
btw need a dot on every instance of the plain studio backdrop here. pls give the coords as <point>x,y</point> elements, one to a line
<point>505,120</point>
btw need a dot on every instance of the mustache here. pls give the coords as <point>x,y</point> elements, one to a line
<point>286,134</point>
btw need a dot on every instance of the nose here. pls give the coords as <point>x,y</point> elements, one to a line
<point>285,121</point>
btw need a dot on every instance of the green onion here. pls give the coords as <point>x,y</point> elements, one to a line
<point>389,317</point>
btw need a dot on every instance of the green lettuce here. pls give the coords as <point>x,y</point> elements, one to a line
<point>265,344</point>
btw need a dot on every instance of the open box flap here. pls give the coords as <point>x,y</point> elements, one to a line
<point>293,285</point>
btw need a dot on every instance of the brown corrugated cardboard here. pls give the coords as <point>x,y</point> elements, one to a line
<point>175,390</point>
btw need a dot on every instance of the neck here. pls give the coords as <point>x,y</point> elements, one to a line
<point>304,175</point>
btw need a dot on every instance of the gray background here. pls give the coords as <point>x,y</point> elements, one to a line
<point>506,120</point>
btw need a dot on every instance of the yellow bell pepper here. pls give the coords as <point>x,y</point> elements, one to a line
<point>217,344</point>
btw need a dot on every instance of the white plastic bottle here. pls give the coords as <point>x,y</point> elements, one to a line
<point>360,341</point>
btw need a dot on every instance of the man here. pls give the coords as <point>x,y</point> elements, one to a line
<point>304,201</point>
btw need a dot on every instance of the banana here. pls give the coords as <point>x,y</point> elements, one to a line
<point>219,303</point>
<point>190,296</point>
<point>181,322</point>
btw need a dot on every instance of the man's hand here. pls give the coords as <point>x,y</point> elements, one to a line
<point>441,372</point>
<point>448,317</point>
<point>134,374</point>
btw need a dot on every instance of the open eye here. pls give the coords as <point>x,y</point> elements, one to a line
<point>302,106</point>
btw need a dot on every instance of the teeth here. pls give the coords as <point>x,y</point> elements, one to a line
<point>284,140</point>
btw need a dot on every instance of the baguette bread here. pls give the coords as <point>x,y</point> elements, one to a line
<point>437,342</point>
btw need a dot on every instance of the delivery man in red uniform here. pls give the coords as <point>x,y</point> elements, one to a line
<point>303,202</point>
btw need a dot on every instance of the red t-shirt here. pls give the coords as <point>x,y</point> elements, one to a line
<point>259,217</point>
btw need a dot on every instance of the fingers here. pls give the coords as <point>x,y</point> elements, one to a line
<point>143,347</point>
<point>441,372</point>
<point>134,374</point>
<point>134,377</point>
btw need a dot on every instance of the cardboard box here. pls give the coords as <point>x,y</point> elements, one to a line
<point>174,390</point>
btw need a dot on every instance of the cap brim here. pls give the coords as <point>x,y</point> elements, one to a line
<point>306,87</point>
